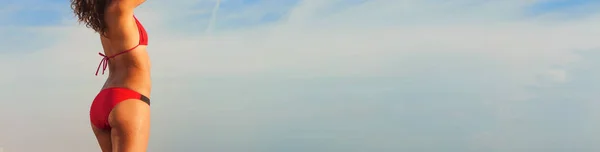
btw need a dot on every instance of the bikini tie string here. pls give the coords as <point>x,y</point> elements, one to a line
<point>103,63</point>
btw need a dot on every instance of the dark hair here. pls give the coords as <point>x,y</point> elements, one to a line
<point>91,12</point>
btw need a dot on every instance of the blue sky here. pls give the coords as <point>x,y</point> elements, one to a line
<point>552,5</point>
<point>47,13</point>
<point>323,76</point>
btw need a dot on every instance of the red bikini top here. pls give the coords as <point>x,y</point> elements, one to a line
<point>143,41</point>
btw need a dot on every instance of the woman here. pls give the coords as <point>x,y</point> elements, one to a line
<point>120,113</point>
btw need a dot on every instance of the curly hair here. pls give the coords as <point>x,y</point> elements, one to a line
<point>91,13</point>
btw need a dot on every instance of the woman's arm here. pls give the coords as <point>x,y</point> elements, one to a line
<point>123,6</point>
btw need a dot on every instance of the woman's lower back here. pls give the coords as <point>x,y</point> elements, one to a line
<point>130,70</point>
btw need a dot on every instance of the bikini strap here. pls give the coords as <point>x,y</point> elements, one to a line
<point>105,59</point>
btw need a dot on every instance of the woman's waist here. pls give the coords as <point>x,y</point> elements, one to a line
<point>138,82</point>
<point>130,70</point>
<point>128,66</point>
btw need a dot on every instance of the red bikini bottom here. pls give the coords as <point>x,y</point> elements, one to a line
<point>106,100</point>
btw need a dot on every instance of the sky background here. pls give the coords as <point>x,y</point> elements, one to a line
<point>319,76</point>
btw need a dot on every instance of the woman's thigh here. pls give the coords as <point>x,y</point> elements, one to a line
<point>104,139</point>
<point>130,122</point>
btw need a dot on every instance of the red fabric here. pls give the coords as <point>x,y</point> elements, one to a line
<point>105,101</point>
<point>143,41</point>
<point>142,31</point>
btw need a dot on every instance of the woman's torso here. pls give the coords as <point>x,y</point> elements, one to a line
<point>130,69</point>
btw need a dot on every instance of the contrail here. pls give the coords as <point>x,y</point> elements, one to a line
<point>213,18</point>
